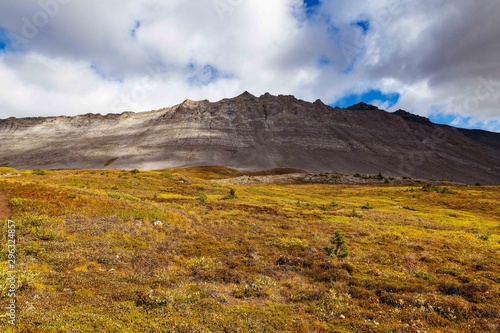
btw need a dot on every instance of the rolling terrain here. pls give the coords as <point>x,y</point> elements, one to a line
<point>201,250</point>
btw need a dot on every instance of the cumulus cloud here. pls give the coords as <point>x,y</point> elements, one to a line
<point>72,57</point>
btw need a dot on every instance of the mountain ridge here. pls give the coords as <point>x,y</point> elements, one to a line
<point>255,133</point>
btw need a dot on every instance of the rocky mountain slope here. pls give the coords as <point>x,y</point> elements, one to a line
<point>253,133</point>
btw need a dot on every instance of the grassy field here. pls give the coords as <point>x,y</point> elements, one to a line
<point>176,251</point>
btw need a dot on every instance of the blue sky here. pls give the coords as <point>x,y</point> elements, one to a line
<point>384,101</point>
<point>364,25</point>
<point>311,3</point>
<point>444,119</point>
<point>437,59</point>
<point>3,39</point>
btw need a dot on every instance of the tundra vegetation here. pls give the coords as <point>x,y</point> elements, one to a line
<point>176,251</point>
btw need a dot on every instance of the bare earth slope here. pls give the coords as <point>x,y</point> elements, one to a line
<point>253,133</point>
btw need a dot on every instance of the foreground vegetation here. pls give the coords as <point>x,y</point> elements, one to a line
<point>176,251</point>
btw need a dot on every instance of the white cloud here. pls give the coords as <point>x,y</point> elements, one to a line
<point>85,58</point>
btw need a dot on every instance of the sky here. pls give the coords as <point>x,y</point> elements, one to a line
<point>435,58</point>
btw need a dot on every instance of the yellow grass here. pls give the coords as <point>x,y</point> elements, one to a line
<point>170,251</point>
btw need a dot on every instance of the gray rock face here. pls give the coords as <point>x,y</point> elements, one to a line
<point>253,133</point>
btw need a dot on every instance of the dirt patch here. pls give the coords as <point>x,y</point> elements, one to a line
<point>5,211</point>
<point>111,161</point>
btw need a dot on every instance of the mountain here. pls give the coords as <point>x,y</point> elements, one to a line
<point>255,133</point>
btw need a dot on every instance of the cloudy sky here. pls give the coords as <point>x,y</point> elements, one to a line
<point>436,58</point>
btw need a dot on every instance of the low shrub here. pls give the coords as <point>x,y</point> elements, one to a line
<point>231,195</point>
<point>334,304</point>
<point>125,196</point>
<point>367,206</point>
<point>339,248</point>
<point>260,287</point>
<point>203,198</point>
<point>291,244</point>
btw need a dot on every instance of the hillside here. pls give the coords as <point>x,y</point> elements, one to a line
<point>256,133</point>
<point>178,251</point>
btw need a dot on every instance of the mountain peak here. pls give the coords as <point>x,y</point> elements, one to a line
<point>251,133</point>
<point>319,102</point>
<point>363,106</point>
<point>412,117</point>
<point>190,103</point>
<point>246,94</point>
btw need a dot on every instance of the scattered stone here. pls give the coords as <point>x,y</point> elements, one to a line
<point>184,180</point>
<point>6,175</point>
<point>28,307</point>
